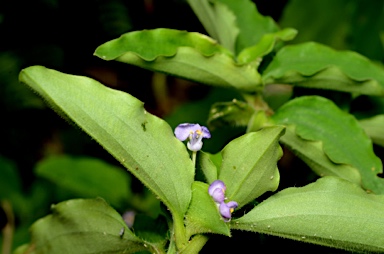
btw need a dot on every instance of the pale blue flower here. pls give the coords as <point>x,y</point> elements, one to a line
<point>217,191</point>
<point>226,209</point>
<point>194,132</point>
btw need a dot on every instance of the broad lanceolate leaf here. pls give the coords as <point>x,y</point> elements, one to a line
<point>249,164</point>
<point>188,55</point>
<point>317,66</point>
<point>143,143</point>
<point>264,46</point>
<point>312,153</point>
<point>252,25</point>
<point>203,214</point>
<point>87,177</point>
<point>343,140</point>
<point>218,20</point>
<point>374,127</point>
<point>84,226</point>
<point>331,212</point>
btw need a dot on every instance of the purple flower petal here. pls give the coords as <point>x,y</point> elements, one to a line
<point>216,184</point>
<point>194,132</point>
<point>218,195</point>
<point>227,209</point>
<point>205,131</point>
<point>182,131</point>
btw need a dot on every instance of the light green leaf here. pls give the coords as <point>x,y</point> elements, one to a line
<point>187,55</point>
<point>249,164</point>
<point>207,167</point>
<point>203,214</point>
<point>233,113</point>
<point>218,20</point>
<point>312,153</point>
<point>84,226</point>
<point>87,177</point>
<point>264,46</point>
<point>343,140</point>
<point>374,127</point>
<point>143,143</point>
<point>317,66</point>
<point>253,26</point>
<point>331,212</point>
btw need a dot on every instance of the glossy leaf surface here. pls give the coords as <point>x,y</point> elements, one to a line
<point>317,66</point>
<point>344,141</point>
<point>331,212</point>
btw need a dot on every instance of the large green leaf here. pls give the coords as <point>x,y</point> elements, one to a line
<point>203,214</point>
<point>87,177</point>
<point>252,25</point>
<point>343,140</point>
<point>192,56</point>
<point>218,20</point>
<point>84,226</point>
<point>143,143</point>
<point>374,127</point>
<point>331,212</point>
<point>249,164</point>
<point>317,66</point>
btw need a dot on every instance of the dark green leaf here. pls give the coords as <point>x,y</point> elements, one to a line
<point>343,140</point>
<point>84,226</point>
<point>143,143</point>
<point>317,66</point>
<point>249,164</point>
<point>203,214</point>
<point>87,177</point>
<point>331,212</point>
<point>191,56</point>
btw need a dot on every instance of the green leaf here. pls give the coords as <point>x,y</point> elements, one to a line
<point>317,66</point>
<point>143,143</point>
<point>264,46</point>
<point>312,153</point>
<point>187,55</point>
<point>253,26</point>
<point>331,212</point>
<point>374,127</point>
<point>343,140</point>
<point>233,113</point>
<point>206,165</point>
<point>218,20</point>
<point>84,226</point>
<point>203,214</point>
<point>249,164</point>
<point>87,177</point>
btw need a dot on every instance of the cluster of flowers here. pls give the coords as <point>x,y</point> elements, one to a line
<point>217,192</point>
<point>195,133</point>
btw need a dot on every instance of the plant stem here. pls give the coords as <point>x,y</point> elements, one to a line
<point>194,158</point>
<point>179,236</point>
<point>195,245</point>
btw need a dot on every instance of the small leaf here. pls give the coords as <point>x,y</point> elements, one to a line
<point>331,212</point>
<point>87,177</point>
<point>264,46</point>
<point>143,143</point>
<point>84,226</point>
<point>234,113</point>
<point>187,55</point>
<point>249,164</point>
<point>343,140</point>
<point>218,20</point>
<point>252,25</point>
<point>208,168</point>
<point>374,127</point>
<point>317,66</point>
<point>203,215</point>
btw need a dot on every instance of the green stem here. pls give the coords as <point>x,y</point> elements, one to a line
<point>195,245</point>
<point>194,158</point>
<point>179,232</point>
